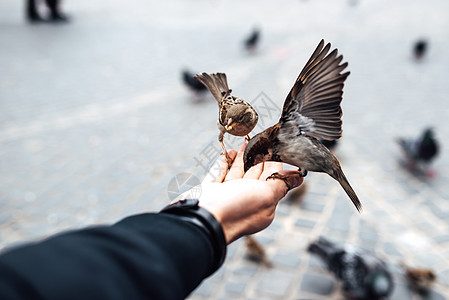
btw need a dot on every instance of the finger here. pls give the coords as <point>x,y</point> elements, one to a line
<point>254,172</point>
<point>269,168</point>
<point>236,170</point>
<point>280,187</point>
<point>219,169</point>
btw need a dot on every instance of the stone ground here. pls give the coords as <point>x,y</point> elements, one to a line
<point>95,123</point>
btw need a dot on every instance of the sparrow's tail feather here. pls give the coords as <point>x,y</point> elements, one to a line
<point>216,83</point>
<point>323,249</point>
<point>341,178</point>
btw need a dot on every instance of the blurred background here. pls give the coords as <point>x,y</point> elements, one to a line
<point>96,123</point>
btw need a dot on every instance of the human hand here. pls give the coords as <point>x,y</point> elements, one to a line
<point>243,203</point>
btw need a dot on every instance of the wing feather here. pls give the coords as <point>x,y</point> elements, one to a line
<point>313,104</point>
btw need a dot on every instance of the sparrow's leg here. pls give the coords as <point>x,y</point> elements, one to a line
<point>220,139</point>
<point>247,138</point>
<point>284,175</point>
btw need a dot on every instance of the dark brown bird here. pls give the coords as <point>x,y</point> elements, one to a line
<point>311,111</point>
<point>235,116</point>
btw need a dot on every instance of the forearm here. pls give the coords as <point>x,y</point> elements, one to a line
<point>149,256</point>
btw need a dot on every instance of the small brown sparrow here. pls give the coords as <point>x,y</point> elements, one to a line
<point>311,111</point>
<point>256,252</point>
<point>420,279</point>
<point>235,116</point>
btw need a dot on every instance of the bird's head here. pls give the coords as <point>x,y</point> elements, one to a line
<point>259,149</point>
<point>428,133</point>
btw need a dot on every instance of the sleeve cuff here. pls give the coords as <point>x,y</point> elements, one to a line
<point>189,211</point>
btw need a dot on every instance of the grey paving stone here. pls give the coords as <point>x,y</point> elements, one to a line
<point>338,222</point>
<point>368,236</point>
<point>265,238</point>
<point>441,239</point>
<point>232,250</point>
<point>235,288</point>
<point>286,259</point>
<point>282,210</point>
<point>444,276</point>
<point>274,283</point>
<point>430,260</point>
<point>317,283</point>
<point>426,226</point>
<point>391,249</point>
<point>312,206</point>
<point>401,292</point>
<point>336,235</point>
<point>246,269</point>
<point>437,211</point>
<point>206,289</point>
<point>304,223</point>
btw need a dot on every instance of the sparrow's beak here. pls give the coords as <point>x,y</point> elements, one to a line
<point>255,152</point>
<point>229,127</point>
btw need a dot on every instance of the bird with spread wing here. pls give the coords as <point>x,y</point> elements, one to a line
<point>311,111</point>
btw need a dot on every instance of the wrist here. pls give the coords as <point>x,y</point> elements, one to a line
<point>190,211</point>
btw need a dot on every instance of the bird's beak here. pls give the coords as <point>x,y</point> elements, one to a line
<point>229,127</point>
<point>257,151</point>
<point>252,157</point>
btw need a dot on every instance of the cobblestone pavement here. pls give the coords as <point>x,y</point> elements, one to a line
<point>95,122</point>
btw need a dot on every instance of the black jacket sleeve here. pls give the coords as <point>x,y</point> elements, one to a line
<point>147,256</point>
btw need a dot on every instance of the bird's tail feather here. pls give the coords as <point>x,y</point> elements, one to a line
<point>341,178</point>
<point>216,83</point>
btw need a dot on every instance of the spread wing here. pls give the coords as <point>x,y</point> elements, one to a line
<point>313,105</point>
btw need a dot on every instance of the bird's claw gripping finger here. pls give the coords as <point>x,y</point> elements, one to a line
<point>285,175</point>
<point>228,158</point>
<point>247,138</point>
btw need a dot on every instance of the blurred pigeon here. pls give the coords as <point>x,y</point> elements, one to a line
<point>420,152</point>
<point>363,275</point>
<point>419,49</point>
<point>252,41</point>
<point>420,279</point>
<point>192,83</point>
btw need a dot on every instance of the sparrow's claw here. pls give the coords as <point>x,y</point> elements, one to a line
<point>228,158</point>
<point>284,175</point>
<point>247,138</point>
